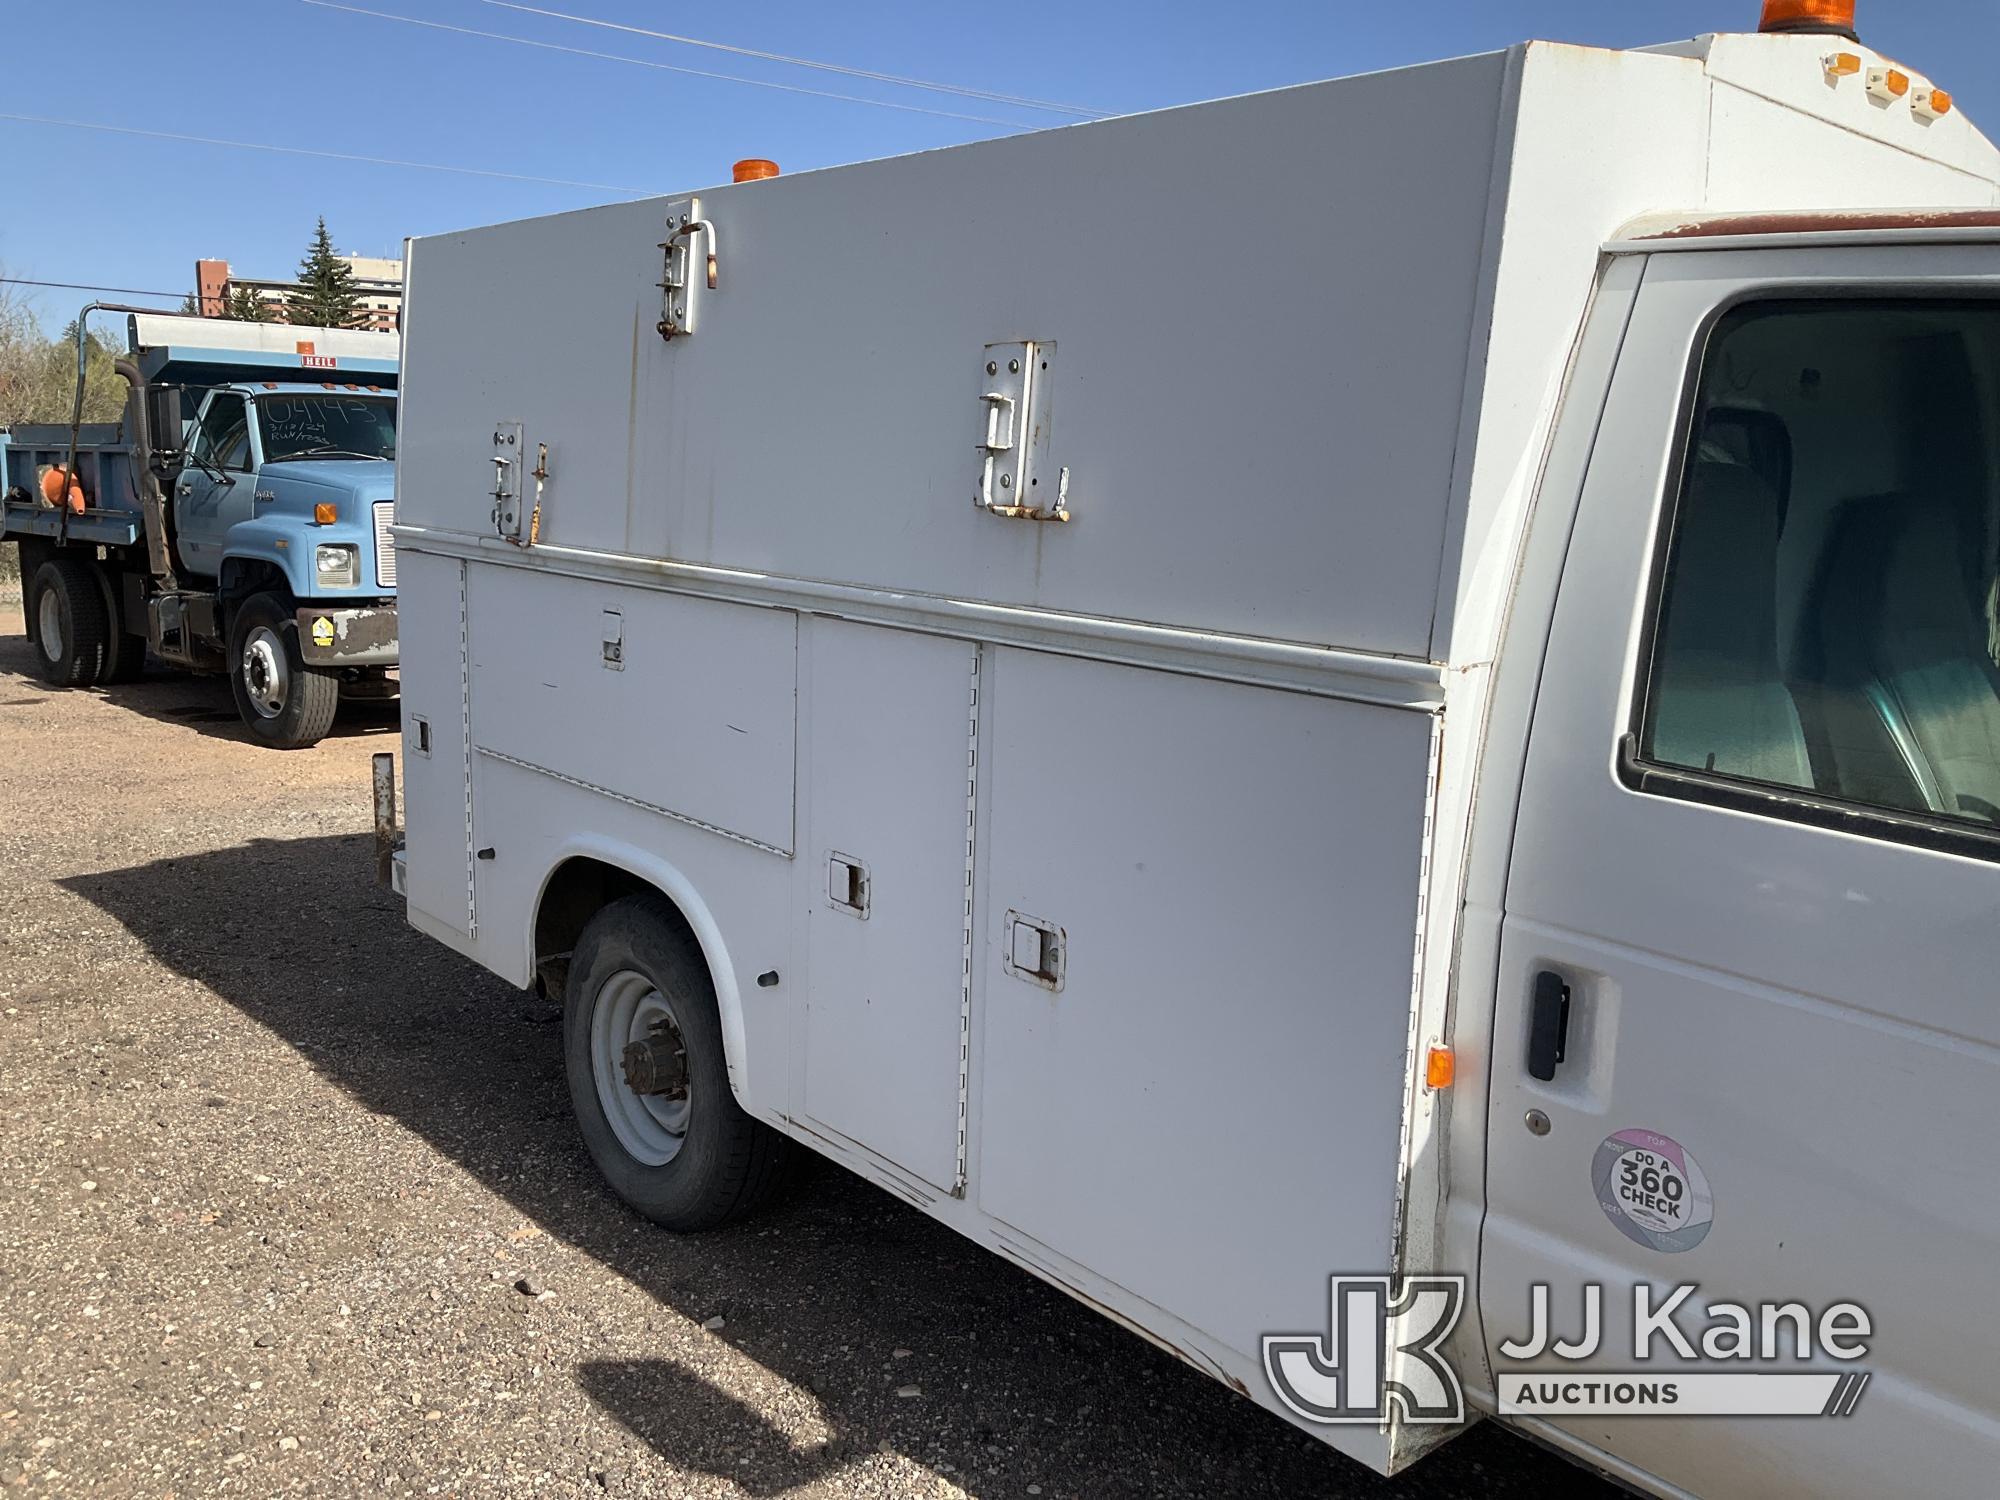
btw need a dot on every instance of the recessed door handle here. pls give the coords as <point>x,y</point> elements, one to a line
<point>1548,1025</point>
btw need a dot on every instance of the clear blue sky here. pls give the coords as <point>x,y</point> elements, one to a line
<point>130,211</point>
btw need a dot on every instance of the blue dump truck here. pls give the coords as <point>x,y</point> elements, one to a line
<point>235,520</point>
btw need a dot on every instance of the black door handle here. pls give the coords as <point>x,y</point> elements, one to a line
<point>1548,1025</point>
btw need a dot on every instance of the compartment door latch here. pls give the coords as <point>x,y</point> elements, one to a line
<point>507,454</point>
<point>1035,950</point>
<point>1016,478</point>
<point>847,885</point>
<point>683,276</point>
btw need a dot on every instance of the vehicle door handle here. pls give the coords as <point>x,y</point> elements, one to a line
<point>1548,1025</point>
<point>186,489</point>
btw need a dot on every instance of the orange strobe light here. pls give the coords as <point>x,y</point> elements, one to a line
<point>753,169</point>
<point>1827,17</point>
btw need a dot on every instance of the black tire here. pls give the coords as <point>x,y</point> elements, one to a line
<point>727,1164</point>
<point>127,654</point>
<point>72,627</point>
<point>124,653</point>
<point>287,704</point>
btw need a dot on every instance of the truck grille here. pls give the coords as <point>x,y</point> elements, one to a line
<point>385,545</point>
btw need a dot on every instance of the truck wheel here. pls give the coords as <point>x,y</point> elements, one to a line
<point>126,657</point>
<point>287,704</point>
<point>642,1047</point>
<point>124,653</point>
<point>72,630</point>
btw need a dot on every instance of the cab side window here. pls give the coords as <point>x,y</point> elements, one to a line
<point>1828,632</point>
<point>224,439</point>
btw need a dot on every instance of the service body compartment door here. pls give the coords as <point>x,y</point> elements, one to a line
<point>436,795</point>
<point>1199,929</point>
<point>887,878</point>
<point>1759,934</point>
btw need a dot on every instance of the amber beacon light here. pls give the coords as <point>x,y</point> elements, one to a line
<point>754,169</point>
<point>1825,17</point>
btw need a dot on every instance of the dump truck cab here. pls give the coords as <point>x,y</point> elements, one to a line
<point>236,519</point>
<point>291,486</point>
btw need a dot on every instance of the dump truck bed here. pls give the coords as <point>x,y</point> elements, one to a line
<point>104,468</point>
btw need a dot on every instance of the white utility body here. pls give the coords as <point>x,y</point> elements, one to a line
<point>1123,643</point>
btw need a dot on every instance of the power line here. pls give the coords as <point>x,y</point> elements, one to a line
<point>87,286</point>
<point>804,62</point>
<point>640,62</point>
<point>377,161</point>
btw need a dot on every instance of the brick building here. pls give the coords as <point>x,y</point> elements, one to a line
<point>378,286</point>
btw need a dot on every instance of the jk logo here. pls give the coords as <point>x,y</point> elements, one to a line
<point>1380,1350</point>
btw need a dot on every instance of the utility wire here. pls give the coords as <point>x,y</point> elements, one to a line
<point>378,161</point>
<point>87,286</point>
<point>640,62</point>
<point>803,62</point>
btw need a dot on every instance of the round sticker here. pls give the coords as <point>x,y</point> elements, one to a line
<point>322,631</point>
<point>1651,1187</point>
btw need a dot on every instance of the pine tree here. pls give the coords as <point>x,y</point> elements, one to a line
<point>245,306</point>
<point>326,297</point>
<point>190,306</point>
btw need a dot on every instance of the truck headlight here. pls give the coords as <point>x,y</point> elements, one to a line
<point>337,567</point>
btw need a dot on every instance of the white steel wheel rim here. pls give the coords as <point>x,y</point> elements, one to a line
<point>651,1127</point>
<point>48,625</point>
<point>267,675</point>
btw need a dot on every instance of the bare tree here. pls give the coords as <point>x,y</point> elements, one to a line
<point>38,373</point>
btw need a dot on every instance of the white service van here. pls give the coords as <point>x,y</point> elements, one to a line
<point>1387,686</point>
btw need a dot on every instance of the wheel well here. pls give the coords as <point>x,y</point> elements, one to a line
<point>579,889</point>
<point>243,576</point>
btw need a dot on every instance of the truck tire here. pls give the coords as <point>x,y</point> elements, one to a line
<point>287,704</point>
<point>72,628</point>
<point>125,657</point>
<point>642,1048</point>
<point>124,653</point>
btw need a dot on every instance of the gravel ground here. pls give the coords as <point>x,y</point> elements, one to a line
<point>291,1203</point>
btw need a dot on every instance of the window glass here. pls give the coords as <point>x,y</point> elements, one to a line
<point>1829,620</point>
<point>314,424</point>
<point>225,433</point>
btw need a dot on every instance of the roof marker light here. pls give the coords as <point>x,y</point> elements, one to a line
<point>1826,17</point>
<point>1842,64</point>
<point>1931,104</point>
<point>1888,84</point>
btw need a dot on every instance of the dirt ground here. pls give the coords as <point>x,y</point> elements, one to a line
<point>275,1172</point>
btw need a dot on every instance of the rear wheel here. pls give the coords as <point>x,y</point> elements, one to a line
<point>287,704</point>
<point>124,653</point>
<point>127,654</point>
<point>642,1046</point>
<point>72,627</point>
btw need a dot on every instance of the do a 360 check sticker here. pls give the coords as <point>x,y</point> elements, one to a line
<point>1650,1186</point>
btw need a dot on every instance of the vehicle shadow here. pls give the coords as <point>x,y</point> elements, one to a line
<point>1021,1383</point>
<point>202,703</point>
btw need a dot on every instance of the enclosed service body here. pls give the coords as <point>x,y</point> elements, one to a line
<point>1113,679</point>
<point>236,519</point>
